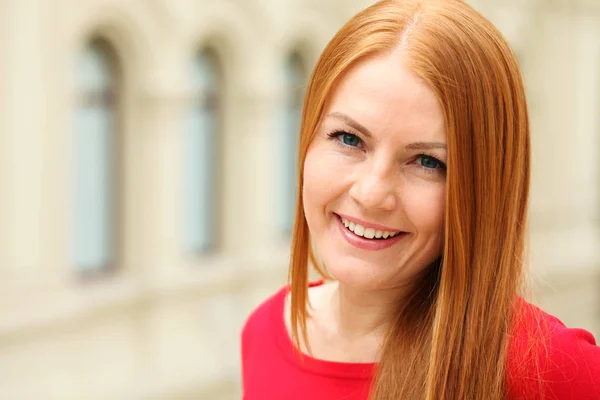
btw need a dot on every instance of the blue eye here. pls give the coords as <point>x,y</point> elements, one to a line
<point>430,162</point>
<point>344,138</point>
<point>350,139</point>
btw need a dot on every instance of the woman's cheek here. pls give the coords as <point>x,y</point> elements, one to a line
<point>325,164</point>
<point>317,176</point>
<point>425,204</point>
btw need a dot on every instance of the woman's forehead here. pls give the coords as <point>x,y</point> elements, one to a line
<point>382,94</point>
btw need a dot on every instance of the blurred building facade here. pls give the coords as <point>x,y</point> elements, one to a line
<point>147,175</point>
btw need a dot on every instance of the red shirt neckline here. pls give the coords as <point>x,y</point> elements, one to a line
<point>307,363</point>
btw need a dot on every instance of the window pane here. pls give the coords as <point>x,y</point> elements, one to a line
<point>94,69</point>
<point>288,143</point>
<point>200,157</point>
<point>94,211</point>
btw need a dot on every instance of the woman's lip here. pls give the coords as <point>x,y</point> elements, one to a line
<point>368,224</point>
<point>367,244</point>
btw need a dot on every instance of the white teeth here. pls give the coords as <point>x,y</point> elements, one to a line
<point>359,230</point>
<point>368,233</point>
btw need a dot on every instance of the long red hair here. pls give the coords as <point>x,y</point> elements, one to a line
<point>450,337</point>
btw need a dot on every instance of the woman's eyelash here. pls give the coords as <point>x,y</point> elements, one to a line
<point>336,134</point>
<point>441,164</point>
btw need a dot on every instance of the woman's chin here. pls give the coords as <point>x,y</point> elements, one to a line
<point>359,277</point>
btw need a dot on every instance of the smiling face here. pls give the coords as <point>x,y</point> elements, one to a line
<point>375,176</point>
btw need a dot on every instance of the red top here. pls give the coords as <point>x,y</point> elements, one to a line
<point>561,364</point>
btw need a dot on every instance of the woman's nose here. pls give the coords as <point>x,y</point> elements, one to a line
<point>374,189</point>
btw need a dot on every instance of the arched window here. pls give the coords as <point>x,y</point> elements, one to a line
<point>201,149</point>
<point>96,159</point>
<point>295,82</point>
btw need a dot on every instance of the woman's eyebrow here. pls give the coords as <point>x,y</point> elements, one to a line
<point>348,120</point>
<point>426,146</point>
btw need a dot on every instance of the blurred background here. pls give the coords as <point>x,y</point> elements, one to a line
<point>147,167</point>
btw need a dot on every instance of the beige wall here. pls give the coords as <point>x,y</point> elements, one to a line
<point>167,325</point>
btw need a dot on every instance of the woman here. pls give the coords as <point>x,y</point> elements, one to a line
<point>414,169</point>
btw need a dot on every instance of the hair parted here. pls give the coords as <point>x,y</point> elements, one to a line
<point>450,337</point>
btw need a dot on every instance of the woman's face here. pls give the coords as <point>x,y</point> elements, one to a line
<point>375,176</point>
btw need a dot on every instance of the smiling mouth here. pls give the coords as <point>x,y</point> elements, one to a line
<point>367,233</point>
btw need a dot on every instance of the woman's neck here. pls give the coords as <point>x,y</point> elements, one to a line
<point>362,313</point>
<point>349,325</point>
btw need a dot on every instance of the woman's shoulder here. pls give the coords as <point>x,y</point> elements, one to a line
<point>269,313</point>
<point>548,360</point>
<point>262,316</point>
<point>259,337</point>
